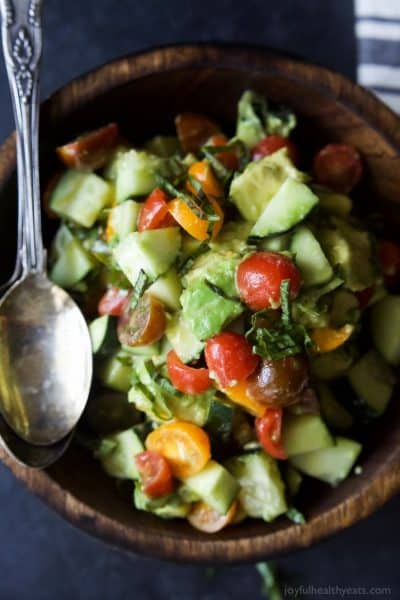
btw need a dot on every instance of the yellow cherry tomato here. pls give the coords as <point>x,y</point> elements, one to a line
<point>205,518</point>
<point>203,173</point>
<point>327,339</point>
<point>185,446</point>
<point>238,395</point>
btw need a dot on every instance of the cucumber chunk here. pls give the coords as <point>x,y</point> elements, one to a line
<point>310,258</point>
<point>116,454</point>
<point>74,261</point>
<point>167,289</point>
<point>215,486</point>
<point>163,145</point>
<point>115,375</point>
<point>262,491</point>
<point>290,205</point>
<point>293,479</point>
<point>123,218</point>
<point>103,335</point>
<point>345,309</point>
<point>277,243</point>
<point>304,433</point>
<point>333,202</point>
<point>330,465</point>
<point>385,328</point>
<point>332,411</point>
<point>152,251</point>
<point>182,339</point>
<point>373,381</point>
<point>80,197</point>
<point>166,507</point>
<point>332,364</point>
<point>135,174</point>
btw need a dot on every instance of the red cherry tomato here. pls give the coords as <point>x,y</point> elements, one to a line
<point>389,259</point>
<point>229,158</point>
<point>364,296</point>
<point>154,213</point>
<point>338,166</point>
<point>271,144</point>
<point>259,279</point>
<point>269,433</point>
<point>229,356</point>
<point>113,302</point>
<point>187,379</point>
<point>155,473</point>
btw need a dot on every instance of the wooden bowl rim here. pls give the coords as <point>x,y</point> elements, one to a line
<point>386,481</point>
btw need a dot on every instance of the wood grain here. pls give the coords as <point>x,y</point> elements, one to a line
<point>143,93</point>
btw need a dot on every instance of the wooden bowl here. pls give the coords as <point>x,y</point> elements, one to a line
<point>143,93</point>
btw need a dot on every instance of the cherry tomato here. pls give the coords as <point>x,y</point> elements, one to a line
<point>230,358</point>
<point>228,158</point>
<point>327,339</point>
<point>338,166</point>
<point>154,213</point>
<point>203,173</point>
<point>269,433</point>
<point>364,296</point>
<point>205,518</point>
<point>113,302</point>
<point>142,325</point>
<point>185,446</point>
<point>279,382</point>
<point>271,144</point>
<point>155,474</point>
<point>187,379</point>
<point>194,130</point>
<point>91,150</point>
<point>259,279</point>
<point>389,259</point>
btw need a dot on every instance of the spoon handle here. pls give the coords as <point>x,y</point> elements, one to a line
<point>22,47</point>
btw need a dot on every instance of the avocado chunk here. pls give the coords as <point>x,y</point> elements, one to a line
<point>385,328</point>
<point>333,412</point>
<point>207,312</point>
<point>182,339</point>
<point>304,433</point>
<point>333,202</point>
<point>114,374</point>
<point>333,364</point>
<point>330,465</point>
<point>290,205</point>
<point>217,267</point>
<point>116,454</point>
<point>166,507</point>
<point>345,308</point>
<point>215,486</point>
<point>351,250</point>
<point>373,381</point>
<point>252,190</point>
<point>311,260</point>
<point>152,251</point>
<point>262,491</point>
<point>135,174</point>
<point>293,479</point>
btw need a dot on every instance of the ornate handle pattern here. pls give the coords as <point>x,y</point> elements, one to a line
<point>22,47</point>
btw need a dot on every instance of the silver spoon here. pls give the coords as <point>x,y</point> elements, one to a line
<point>45,351</point>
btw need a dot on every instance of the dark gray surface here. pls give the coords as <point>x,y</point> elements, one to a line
<point>41,557</point>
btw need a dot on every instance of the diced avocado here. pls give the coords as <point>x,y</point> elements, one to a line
<point>123,218</point>
<point>333,413</point>
<point>333,202</point>
<point>215,486</point>
<point>136,174</point>
<point>262,492</point>
<point>80,197</point>
<point>233,238</point>
<point>385,328</point>
<point>293,479</point>
<point>253,189</point>
<point>311,260</point>
<point>219,268</point>
<point>73,262</point>
<point>277,243</point>
<point>332,364</point>
<point>103,335</point>
<point>189,246</point>
<point>153,406</point>
<point>163,146</point>
<point>290,205</point>
<point>182,339</point>
<point>167,507</point>
<point>114,374</point>
<point>152,251</point>
<point>107,412</point>
<point>116,454</point>
<point>344,309</point>
<point>331,465</point>
<point>167,289</point>
<point>351,250</point>
<point>373,381</point>
<point>304,433</point>
<point>194,408</point>
<point>205,311</point>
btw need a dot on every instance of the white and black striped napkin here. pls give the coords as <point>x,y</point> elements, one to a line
<point>378,39</point>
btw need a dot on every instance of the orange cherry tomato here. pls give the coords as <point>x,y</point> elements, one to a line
<point>194,130</point>
<point>185,446</point>
<point>188,380</point>
<point>203,173</point>
<point>389,259</point>
<point>154,213</point>
<point>205,518</point>
<point>327,339</point>
<point>142,325</point>
<point>92,150</point>
<point>338,166</point>
<point>269,433</point>
<point>230,358</point>
<point>228,158</point>
<point>113,302</point>
<point>188,220</point>
<point>273,143</point>
<point>155,474</point>
<point>238,394</point>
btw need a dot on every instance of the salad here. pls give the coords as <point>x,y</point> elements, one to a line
<point>244,322</point>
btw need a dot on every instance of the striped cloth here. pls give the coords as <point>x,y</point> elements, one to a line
<point>378,40</point>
